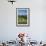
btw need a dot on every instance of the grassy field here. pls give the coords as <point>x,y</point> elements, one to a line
<point>22,19</point>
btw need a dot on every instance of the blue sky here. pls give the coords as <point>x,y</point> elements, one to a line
<point>22,12</point>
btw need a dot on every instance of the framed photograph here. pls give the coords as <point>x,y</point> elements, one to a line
<point>22,16</point>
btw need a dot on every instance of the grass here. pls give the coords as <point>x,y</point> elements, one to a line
<point>22,19</point>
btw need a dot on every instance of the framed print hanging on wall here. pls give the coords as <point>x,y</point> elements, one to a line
<point>22,16</point>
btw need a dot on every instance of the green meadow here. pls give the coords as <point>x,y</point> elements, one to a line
<point>22,19</point>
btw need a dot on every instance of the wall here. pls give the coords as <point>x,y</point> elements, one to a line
<point>37,29</point>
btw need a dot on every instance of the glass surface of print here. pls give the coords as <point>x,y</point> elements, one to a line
<point>22,18</point>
